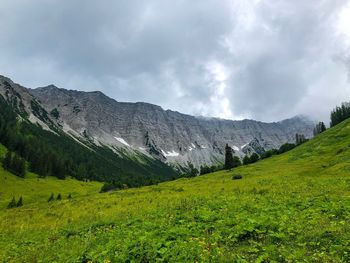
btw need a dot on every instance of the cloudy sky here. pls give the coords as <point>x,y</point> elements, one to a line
<point>267,59</point>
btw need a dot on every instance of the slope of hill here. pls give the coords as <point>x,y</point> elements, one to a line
<point>289,208</point>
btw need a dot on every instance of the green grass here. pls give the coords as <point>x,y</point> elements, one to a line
<point>35,190</point>
<point>289,208</point>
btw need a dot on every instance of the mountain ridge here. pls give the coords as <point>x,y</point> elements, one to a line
<point>190,135</point>
<point>166,135</point>
<point>53,86</point>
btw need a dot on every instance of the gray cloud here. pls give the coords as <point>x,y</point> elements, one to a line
<point>262,59</point>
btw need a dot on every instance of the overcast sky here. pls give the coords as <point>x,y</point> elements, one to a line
<point>266,60</point>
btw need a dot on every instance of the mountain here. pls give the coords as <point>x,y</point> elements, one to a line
<point>28,129</point>
<point>163,134</point>
<point>148,130</point>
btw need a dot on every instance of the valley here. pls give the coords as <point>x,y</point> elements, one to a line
<point>175,131</point>
<point>287,208</point>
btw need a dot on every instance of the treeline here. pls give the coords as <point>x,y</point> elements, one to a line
<point>17,135</point>
<point>205,169</point>
<point>232,161</point>
<point>340,113</point>
<point>319,128</point>
<point>59,155</point>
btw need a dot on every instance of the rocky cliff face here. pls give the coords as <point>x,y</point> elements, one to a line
<point>166,135</point>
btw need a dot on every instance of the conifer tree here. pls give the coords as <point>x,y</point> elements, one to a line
<point>12,204</point>
<point>340,114</point>
<point>299,139</point>
<point>319,128</point>
<point>229,162</point>
<point>20,202</point>
<point>193,171</point>
<point>51,198</point>
<point>59,197</point>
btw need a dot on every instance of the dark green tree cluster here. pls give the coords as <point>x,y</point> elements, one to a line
<point>21,138</point>
<point>58,198</point>
<point>286,147</point>
<point>251,159</point>
<point>300,139</point>
<point>14,204</point>
<point>192,171</point>
<point>205,169</point>
<point>269,153</point>
<point>109,186</point>
<point>14,164</point>
<point>319,128</point>
<point>340,114</point>
<point>283,148</point>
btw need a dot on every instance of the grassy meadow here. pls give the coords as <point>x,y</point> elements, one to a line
<point>294,207</point>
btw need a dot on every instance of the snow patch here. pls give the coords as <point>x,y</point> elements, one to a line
<point>170,154</point>
<point>193,146</point>
<point>234,147</point>
<point>142,149</point>
<point>244,145</point>
<point>121,140</point>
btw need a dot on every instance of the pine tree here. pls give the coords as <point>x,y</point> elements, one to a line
<point>193,171</point>
<point>20,202</point>
<point>70,196</point>
<point>12,204</point>
<point>59,197</point>
<point>319,128</point>
<point>299,139</point>
<point>51,198</point>
<point>229,162</point>
<point>340,114</point>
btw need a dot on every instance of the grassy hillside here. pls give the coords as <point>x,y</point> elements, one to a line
<point>289,208</point>
<point>34,189</point>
